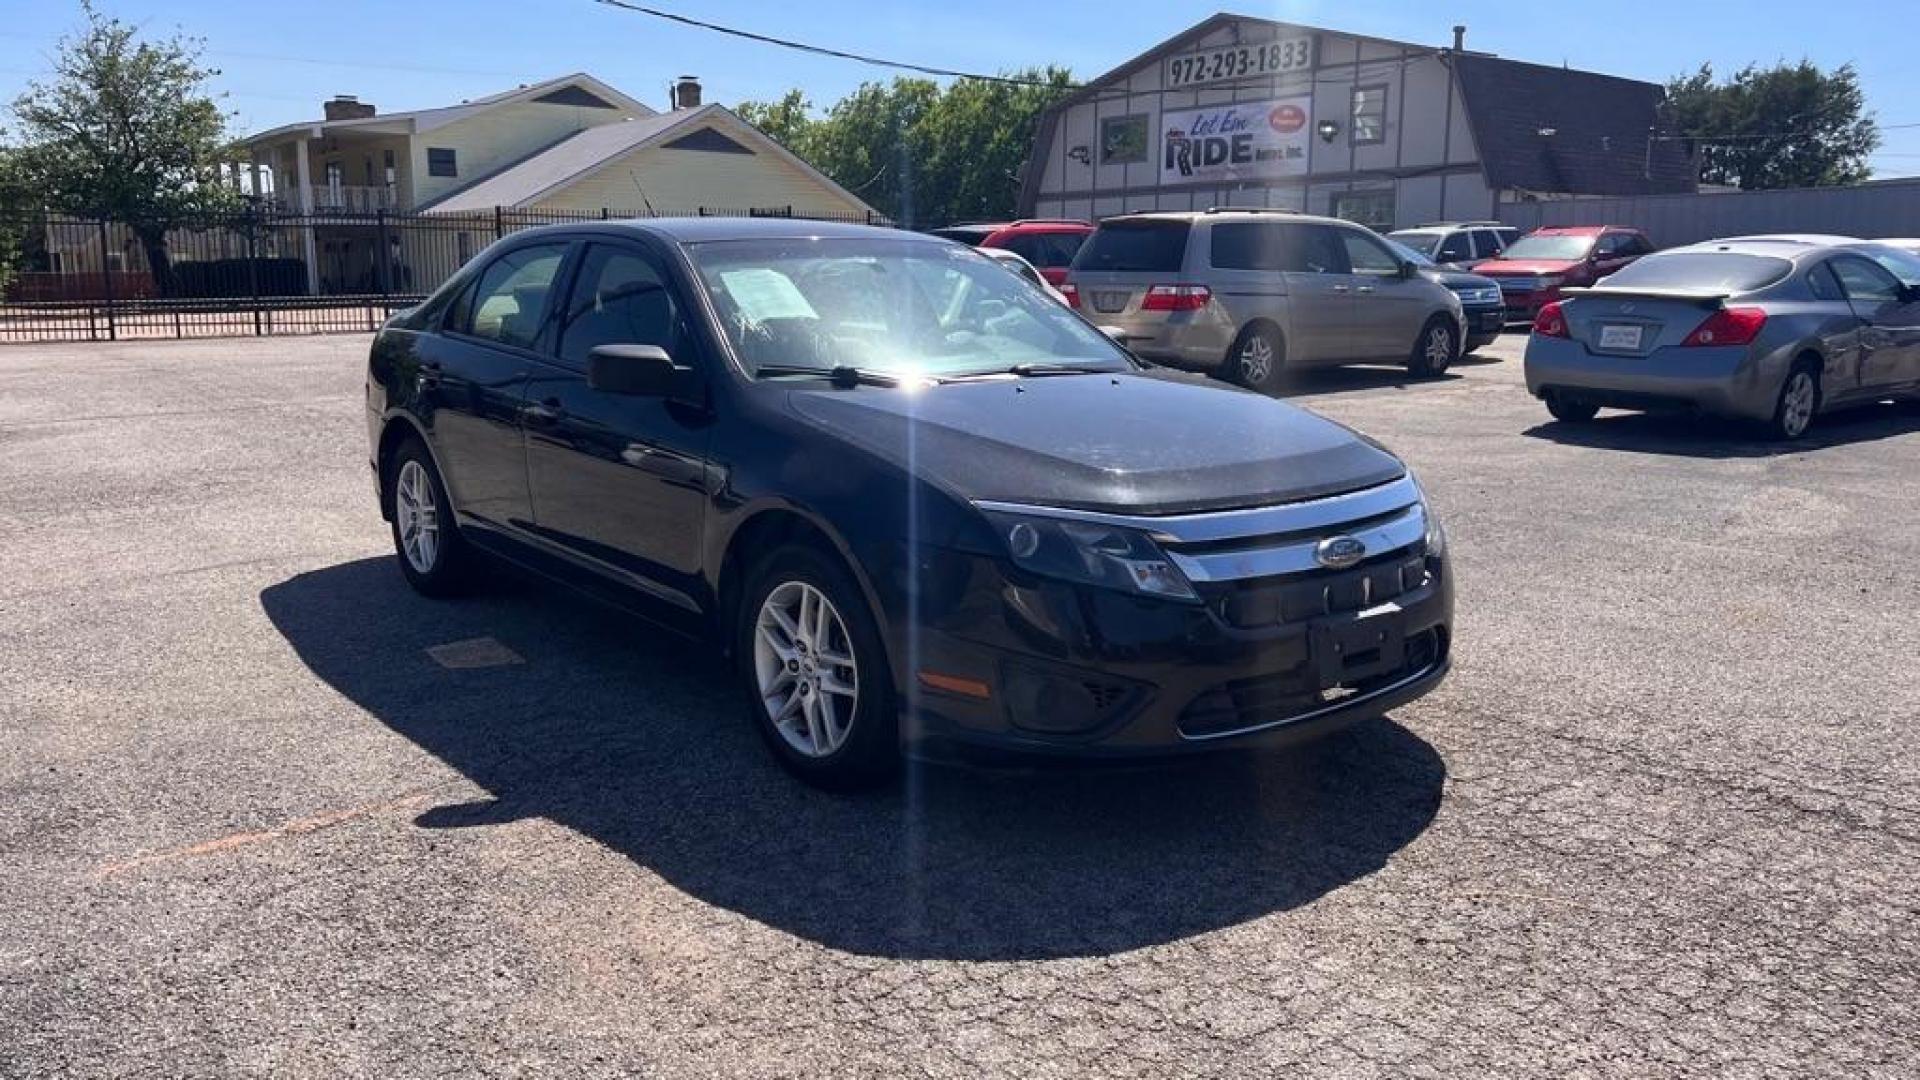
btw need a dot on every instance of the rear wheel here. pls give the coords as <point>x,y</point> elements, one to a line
<point>1258,358</point>
<point>1436,348</point>
<point>433,557</point>
<point>815,673</point>
<point>1799,401</point>
<point>1569,411</point>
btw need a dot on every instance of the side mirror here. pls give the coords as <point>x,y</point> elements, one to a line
<point>1409,269</point>
<point>636,370</point>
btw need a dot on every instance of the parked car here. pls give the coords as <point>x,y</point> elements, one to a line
<point>1049,244</point>
<point>1532,272</point>
<point>1458,245</point>
<point>1256,293</point>
<point>1483,311</point>
<point>882,470</point>
<point>1775,331</point>
<point>1025,270</point>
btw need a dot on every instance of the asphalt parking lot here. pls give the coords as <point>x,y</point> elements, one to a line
<point>256,819</point>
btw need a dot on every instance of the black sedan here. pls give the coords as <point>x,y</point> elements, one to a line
<point>916,500</point>
<point>1481,305</point>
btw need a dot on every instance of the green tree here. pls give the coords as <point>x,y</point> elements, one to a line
<point>15,206</point>
<point>1790,125</point>
<point>918,152</point>
<point>125,129</point>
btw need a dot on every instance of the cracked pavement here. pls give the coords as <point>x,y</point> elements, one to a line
<point>1661,821</point>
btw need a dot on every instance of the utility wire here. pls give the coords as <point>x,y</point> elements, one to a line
<point>821,50</point>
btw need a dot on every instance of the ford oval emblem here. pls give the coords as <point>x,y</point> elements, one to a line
<point>1339,552</point>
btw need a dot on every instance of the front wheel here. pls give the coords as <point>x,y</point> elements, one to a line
<point>1799,401</point>
<point>1434,352</point>
<point>815,673</point>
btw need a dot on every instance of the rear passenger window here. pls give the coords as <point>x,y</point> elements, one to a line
<point>511,297</point>
<point>1454,249</point>
<point>1028,246</point>
<point>1821,282</point>
<point>1312,249</point>
<point>1486,243</point>
<point>1246,245</point>
<point>1060,248</point>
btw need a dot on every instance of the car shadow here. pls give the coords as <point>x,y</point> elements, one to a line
<point>638,740</point>
<point>1685,434</point>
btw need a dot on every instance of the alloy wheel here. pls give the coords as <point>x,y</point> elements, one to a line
<point>1439,349</point>
<point>1256,360</point>
<point>417,517</point>
<point>1796,404</point>
<point>803,660</point>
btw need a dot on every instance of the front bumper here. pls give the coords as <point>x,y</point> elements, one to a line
<point>1089,672</point>
<point>1483,324</point>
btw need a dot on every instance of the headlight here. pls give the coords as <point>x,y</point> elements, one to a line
<point>1548,281</point>
<point>1436,538</point>
<point>1093,554</point>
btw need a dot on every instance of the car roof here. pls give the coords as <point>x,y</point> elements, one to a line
<point>1049,225</point>
<point>1579,230</point>
<point>1228,213</point>
<point>1793,248</point>
<point>694,230</point>
<point>1792,238</point>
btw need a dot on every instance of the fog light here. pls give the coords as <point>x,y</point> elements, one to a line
<point>1062,704</point>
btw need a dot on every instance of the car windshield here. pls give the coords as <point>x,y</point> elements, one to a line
<point>1560,246</point>
<point>1422,240</point>
<point>1720,270</point>
<point>1412,255</point>
<point>903,307</point>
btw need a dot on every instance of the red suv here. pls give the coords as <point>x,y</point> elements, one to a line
<point>1048,244</point>
<point>1535,267</point>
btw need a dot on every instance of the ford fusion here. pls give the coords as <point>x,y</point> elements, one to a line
<point>919,503</point>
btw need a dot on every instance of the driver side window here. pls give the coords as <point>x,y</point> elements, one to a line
<point>1369,256</point>
<point>1867,286</point>
<point>619,298</point>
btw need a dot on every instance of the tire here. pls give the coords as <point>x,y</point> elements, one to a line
<point>426,539</point>
<point>1435,350</point>
<point>796,693</point>
<point>1798,403</point>
<point>1258,359</point>
<point>1569,411</point>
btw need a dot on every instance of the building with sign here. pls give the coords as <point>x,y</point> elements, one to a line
<point>1239,111</point>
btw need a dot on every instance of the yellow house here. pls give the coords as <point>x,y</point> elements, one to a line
<point>568,145</point>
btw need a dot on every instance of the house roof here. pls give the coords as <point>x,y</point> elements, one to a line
<point>1606,133</point>
<point>573,157</point>
<point>422,120</point>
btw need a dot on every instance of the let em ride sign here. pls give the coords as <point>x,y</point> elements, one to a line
<point>1243,141</point>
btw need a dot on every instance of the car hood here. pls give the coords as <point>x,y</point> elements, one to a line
<point>1455,279</point>
<point>1526,266</point>
<point>1139,443</point>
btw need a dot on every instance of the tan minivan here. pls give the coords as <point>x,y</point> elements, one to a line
<point>1255,293</point>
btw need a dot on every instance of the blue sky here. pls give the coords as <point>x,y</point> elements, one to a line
<point>278,61</point>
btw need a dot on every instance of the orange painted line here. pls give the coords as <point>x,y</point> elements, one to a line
<point>296,827</point>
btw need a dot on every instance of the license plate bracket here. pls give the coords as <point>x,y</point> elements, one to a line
<point>1620,336</point>
<point>1110,301</point>
<point>1347,649</point>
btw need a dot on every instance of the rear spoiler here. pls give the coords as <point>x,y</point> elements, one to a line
<point>1702,297</point>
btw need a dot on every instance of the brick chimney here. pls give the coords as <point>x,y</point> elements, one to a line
<point>347,107</point>
<point>686,93</point>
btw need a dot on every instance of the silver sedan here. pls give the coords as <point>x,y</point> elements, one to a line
<point>1776,330</point>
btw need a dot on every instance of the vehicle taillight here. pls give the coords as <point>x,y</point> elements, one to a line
<point>1072,292</point>
<point>1728,326</point>
<point>1550,322</point>
<point>1176,298</point>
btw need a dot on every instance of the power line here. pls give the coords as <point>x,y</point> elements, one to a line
<point>821,50</point>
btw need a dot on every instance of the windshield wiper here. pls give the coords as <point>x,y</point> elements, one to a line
<point>1032,370</point>
<point>840,374</point>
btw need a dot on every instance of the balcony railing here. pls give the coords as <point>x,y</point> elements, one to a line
<point>340,199</point>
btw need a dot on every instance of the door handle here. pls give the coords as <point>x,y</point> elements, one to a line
<point>1340,288</point>
<point>1364,288</point>
<point>546,413</point>
<point>429,376</point>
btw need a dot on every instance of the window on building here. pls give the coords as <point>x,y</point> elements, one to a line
<point>440,162</point>
<point>1369,114</point>
<point>1374,209</point>
<point>1123,140</point>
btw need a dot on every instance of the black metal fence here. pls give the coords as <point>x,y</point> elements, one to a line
<point>253,273</point>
